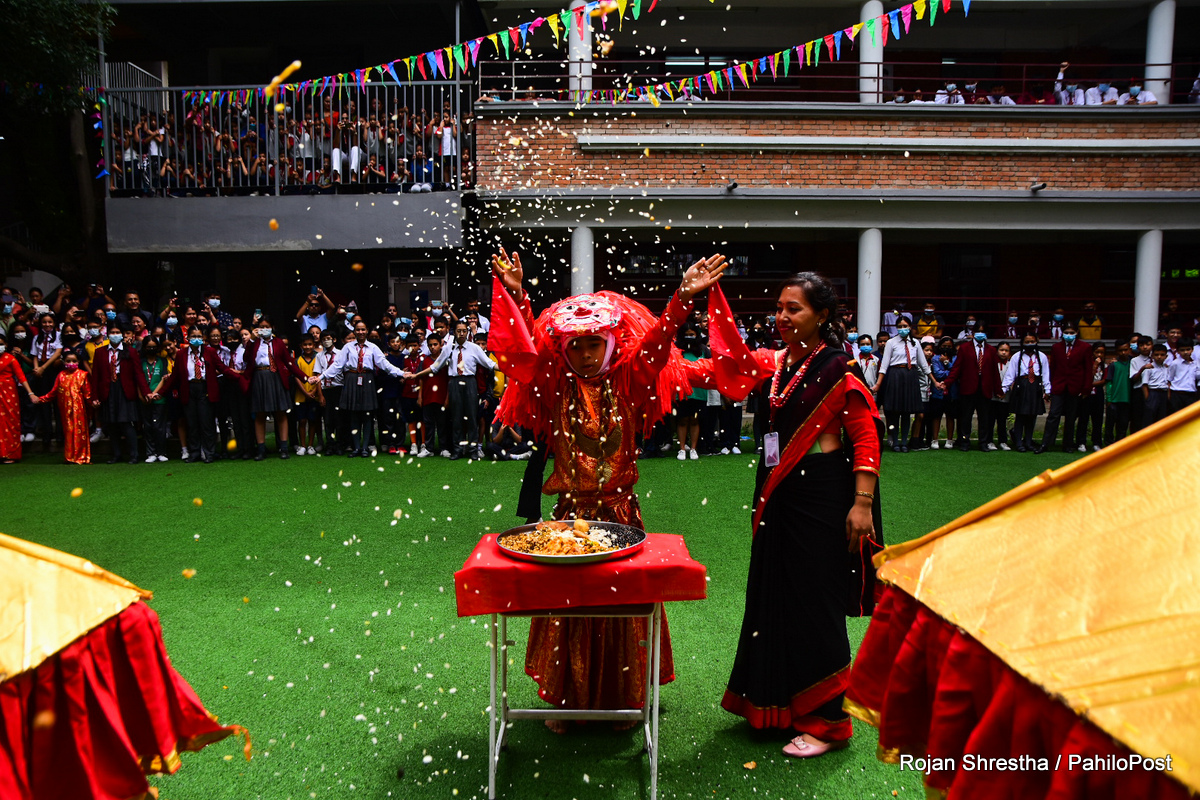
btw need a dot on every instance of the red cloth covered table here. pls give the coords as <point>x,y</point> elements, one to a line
<point>492,583</point>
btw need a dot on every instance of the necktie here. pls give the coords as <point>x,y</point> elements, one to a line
<point>460,360</point>
<point>979,358</point>
<point>907,355</point>
<point>112,364</point>
<point>270,360</point>
<point>1031,369</point>
<point>360,357</point>
<point>197,367</point>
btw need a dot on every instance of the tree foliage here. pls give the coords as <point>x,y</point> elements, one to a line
<point>46,47</point>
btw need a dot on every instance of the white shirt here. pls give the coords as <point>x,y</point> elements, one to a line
<point>195,371</point>
<point>901,352</point>
<point>1066,98</point>
<point>320,320</point>
<point>44,347</point>
<point>944,98</point>
<point>473,358</point>
<point>1018,366</point>
<point>1092,96</point>
<point>263,357</point>
<point>1183,375</point>
<point>870,368</point>
<point>155,145</point>
<point>1135,364</point>
<point>1004,100</point>
<point>321,367</point>
<point>1157,377</point>
<point>224,355</point>
<point>347,360</point>
<point>1144,96</point>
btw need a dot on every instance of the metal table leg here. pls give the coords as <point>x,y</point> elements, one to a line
<point>493,754</point>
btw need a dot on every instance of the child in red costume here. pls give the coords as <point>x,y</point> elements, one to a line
<point>586,376</point>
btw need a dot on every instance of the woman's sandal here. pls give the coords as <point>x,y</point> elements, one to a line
<point>799,748</point>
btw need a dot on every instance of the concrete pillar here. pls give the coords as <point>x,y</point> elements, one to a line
<point>870,280</point>
<point>1160,48</point>
<point>579,51</point>
<point>583,261</point>
<point>1146,283</point>
<point>870,57</point>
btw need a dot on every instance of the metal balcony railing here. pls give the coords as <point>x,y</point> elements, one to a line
<point>831,81</point>
<point>231,141</point>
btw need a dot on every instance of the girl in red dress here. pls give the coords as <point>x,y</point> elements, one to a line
<point>74,393</point>
<point>585,377</point>
<point>10,405</point>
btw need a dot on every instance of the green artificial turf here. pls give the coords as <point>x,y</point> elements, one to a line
<point>331,632</point>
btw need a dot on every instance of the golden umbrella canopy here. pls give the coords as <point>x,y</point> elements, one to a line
<point>48,599</point>
<point>1086,580</point>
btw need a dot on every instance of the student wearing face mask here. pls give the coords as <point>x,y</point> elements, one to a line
<point>902,360</point>
<point>73,391</point>
<point>1012,329</point>
<point>357,364</point>
<point>155,420</point>
<point>1068,93</point>
<point>1027,384</point>
<point>1057,320</point>
<point>978,379</point>
<point>46,349</point>
<point>1102,94</point>
<point>269,369</point>
<point>929,323</point>
<point>7,318</point>
<point>335,423</point>
<point>949,95</point>
<point>1071,368</point>
<point>194,377</point>
<point>11,376</point>
<point>1000,410</point>
<point>118,385</point>
<point>1137,95</point>
<point>234,392</point>
<point>970,327</point>
<point>867,360</point>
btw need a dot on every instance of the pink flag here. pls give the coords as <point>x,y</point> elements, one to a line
<point>906,15</point>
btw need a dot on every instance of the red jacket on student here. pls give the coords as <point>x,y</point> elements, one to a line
<point>973,377</point>
<point>133,381</point>
<point>282,363</point>
<point>1071,373</point>
<point>180,378</point>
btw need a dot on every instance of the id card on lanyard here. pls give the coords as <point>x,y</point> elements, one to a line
<point>771,449</point>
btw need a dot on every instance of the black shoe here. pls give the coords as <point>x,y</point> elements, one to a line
<point>352,454</point>
<point>208,459</point>
<point>112,460</point>
<point>194,460</point>
<point>904,449</point>
<point>1037,451</point>
<point>132,461</point>
<point>246,456</point>
<point>1021,448</point>
<point>895,448</point>
<point>964,447</point>
<point>455,456</point>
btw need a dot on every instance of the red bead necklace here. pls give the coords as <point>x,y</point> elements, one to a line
<point>778,400</point>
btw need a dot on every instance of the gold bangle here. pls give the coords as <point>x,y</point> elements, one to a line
<point>866,494</point>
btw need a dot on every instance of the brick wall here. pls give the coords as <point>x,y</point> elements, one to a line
<point>539,150</point>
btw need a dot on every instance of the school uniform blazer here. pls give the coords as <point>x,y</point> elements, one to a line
<point>178,379</point>
<point>1071,374</point>
<point>966,371</point>
<point>133,382</point>
<point>285,365</point>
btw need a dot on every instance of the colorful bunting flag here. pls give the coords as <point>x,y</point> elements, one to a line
<point>919,7</point>
<point>837,44</point>
<point>894,23</point>
<point>906,13</point>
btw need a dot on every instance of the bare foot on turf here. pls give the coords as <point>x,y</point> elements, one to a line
<point>557,725</point>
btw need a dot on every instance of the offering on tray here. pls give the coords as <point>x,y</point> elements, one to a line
<point>571,541</point>
<point>560,539</point>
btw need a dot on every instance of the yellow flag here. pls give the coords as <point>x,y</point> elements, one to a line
<point>919,7</point>
<point>492,38</point>
<point>553,20</point>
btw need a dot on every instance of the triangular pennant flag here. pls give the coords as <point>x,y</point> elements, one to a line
<point>525,28</point>
<point>966,7</point>
<point>894,23</point>
<point>580,22</point>
<point>808,54</point>
<point>787,61</point>
<point>871,23</point>
<point>775,66</point>
<point>906,14</point>
<point>448,66</point>
<point>829,45</point>
<point>884,24</point>
<point>816,43</point>
<point>421,65</point>
<point>742,73</point>
<point>729,71</point>
<point>711,85</point>
<point>652,96</point>
<point>475,50</point>
<point>621,9</point>
<point>933,7</point>
<point>854,29</point>
<point>504,40</point>
<point>392,71</point>
<point>409,62</point>
<point>837,44</point>
<point>438,64</point>
<point>495,41</point>
<point>653,3</point>
<point>553,20</point>
<point>946,6</point>
<point>460,57</point>
<point>637,8</point>
<point>514,35</point>
<point>919,7</point>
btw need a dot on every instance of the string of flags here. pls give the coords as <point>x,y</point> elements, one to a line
<point>446,62</point>
<point>893,24</point>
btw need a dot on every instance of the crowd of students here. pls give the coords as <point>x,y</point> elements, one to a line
<point>335,383</point>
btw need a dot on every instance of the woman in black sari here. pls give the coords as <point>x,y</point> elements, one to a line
<point>816,518</point>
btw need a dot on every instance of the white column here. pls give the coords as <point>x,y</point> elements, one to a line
<point>583,258</point>
<point>870,56</point>
<point>579,51</point>
<point>1146,283</point>
<point>1160,41</point>
<point>870,280</point>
